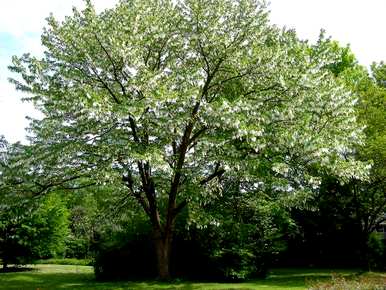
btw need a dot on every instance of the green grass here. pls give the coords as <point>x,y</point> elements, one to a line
<point>66,261</point>
<point>47,277</point>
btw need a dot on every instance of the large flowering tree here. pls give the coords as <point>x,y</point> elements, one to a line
<point>169,97</point>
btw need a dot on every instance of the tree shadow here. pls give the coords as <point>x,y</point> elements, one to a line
<point>32,281</point>
<point>29,279</point>
<point>15,269</point>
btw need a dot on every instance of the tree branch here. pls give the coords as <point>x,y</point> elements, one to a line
<point>217,173</point>
<point>115,70</point>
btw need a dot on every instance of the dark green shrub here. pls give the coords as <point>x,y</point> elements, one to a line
<point>135,260</point>
<point>241,234</point>
<point>376,252</point>
<point>124,249</point>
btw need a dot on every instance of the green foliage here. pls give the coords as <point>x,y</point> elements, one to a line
<point>83,218</point>
<point>371,111</point>
<point>345,58</point>
<point>351,206</point>
<point>51,219</point>
<point>241,233</point>
<point>124,248</point>
<point>376,252</point>
<point>32,229</point>
<point>379,73</point>
<point>368,197</point>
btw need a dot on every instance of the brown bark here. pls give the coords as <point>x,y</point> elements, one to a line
<point>163,245</point>
<point>164,232</point>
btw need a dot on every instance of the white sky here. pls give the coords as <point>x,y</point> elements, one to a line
<point>358,22</point>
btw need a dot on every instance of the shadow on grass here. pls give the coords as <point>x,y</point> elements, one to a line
<point>16,269</point>
<point>41,280</point>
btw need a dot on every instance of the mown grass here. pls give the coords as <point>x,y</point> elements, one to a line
<point>66,261</point>
<point>47,277</point>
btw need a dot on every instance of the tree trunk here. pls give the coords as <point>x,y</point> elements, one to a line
<point>163,249</point>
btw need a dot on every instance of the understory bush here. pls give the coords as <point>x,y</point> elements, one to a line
<point>241,234</point>
<point>376,252</point>
<point>234,239</point>
<point>135,260</point>
<point>123,248</point>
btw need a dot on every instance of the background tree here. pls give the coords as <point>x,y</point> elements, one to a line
<point>84,222</point>
<point>372,113</point>
<point>343,218</point>
<point>365,200</point>
<point>169,97</point>
<point>31,226</point>
<point>29,232</point>
<point>369,198</point>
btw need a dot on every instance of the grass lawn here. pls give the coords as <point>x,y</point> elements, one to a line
<point>46,277</point>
